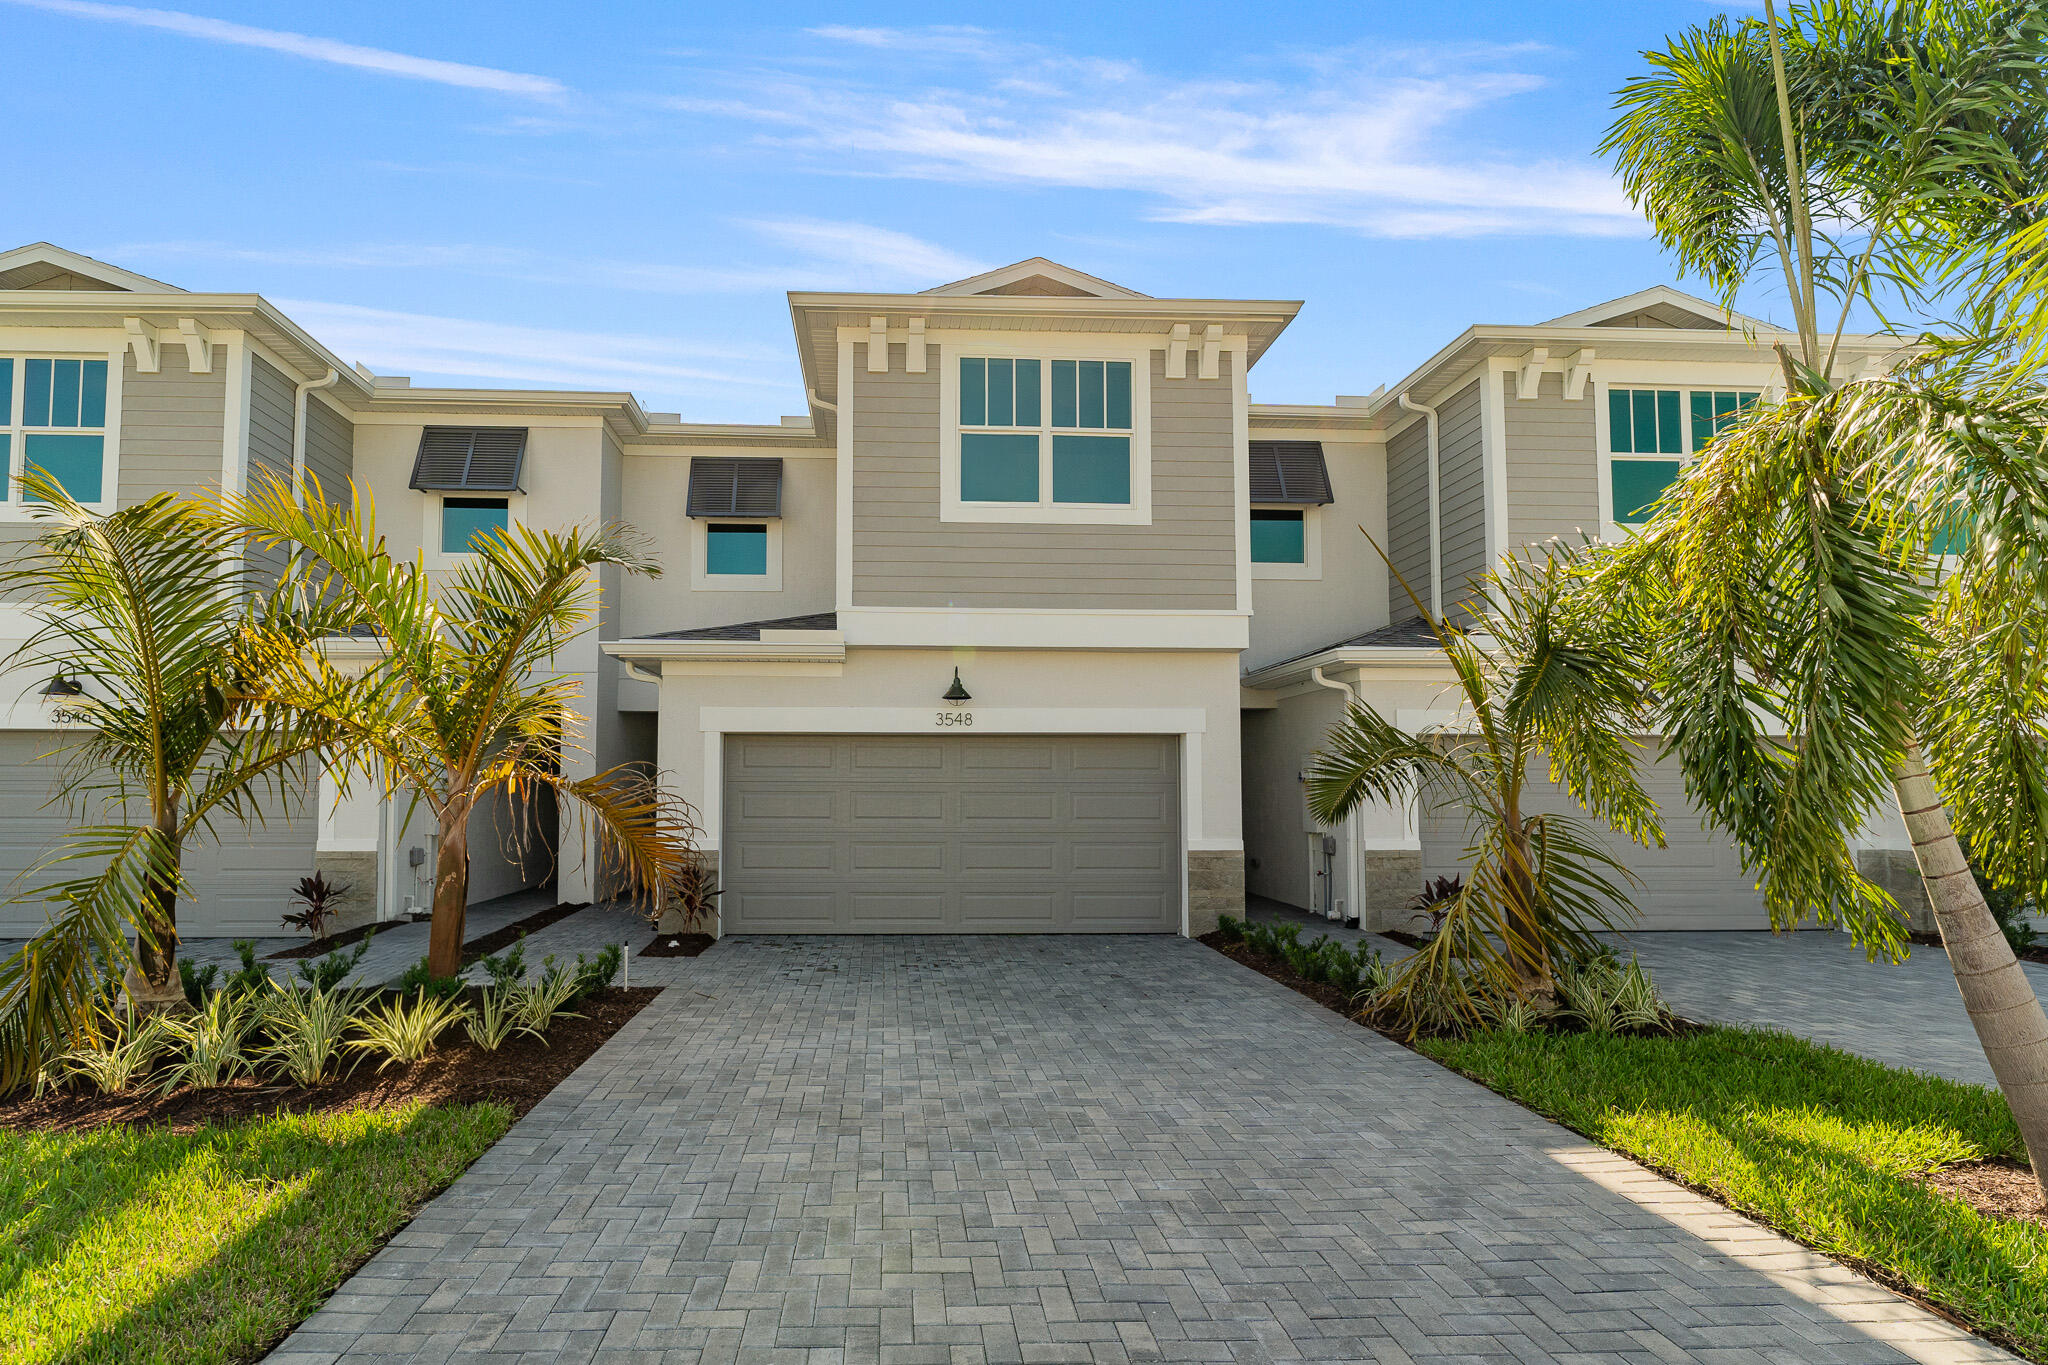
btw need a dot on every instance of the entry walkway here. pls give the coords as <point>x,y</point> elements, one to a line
<point>922,1150</point>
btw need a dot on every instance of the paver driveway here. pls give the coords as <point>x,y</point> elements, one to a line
<point>1055,1149</point>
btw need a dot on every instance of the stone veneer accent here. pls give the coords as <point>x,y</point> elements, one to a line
<point>356,870</point>
<point>672,919</point>
<point>1897,871</point>
<point>1215,888</point>
<point>1393,877</point>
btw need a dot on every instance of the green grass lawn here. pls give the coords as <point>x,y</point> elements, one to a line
<point>1815,1142</point>
<point>119,1245</point>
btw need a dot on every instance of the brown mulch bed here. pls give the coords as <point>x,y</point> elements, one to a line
<point>321,947</point>
<point>1993,1188</point>
<point>678,945</point>
<point>1321,992</point>
<point>478,949</point>
<point>518,1074</point>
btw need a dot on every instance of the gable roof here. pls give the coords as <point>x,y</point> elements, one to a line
<point>1041,278</point>
<point>1661,306</point>
<point>40,265</point>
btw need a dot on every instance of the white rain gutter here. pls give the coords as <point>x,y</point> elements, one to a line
<point>1436,509</point>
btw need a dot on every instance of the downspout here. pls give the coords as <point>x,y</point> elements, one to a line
<point>299,430</point>
<point>1436,509</point>
<point>1354,860</point>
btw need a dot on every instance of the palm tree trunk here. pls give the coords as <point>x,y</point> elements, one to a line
<point>451,895</point>
<point>155,986</point>
<point>2001,1001</point>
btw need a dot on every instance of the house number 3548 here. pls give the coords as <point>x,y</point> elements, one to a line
<point>945,718</point>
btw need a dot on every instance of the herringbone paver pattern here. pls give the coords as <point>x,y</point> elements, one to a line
<point>962,1151</point>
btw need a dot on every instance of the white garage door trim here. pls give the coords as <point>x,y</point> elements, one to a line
<point>1190,723</point>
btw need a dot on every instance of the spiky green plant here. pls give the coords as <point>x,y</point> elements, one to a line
<point>308,1027</point>
<point>211,1045</point>
<point>405,1028</point>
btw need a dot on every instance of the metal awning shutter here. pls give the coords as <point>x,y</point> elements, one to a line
<point>727,487</point>
<point>470,459</point>
<point>1290,471</point>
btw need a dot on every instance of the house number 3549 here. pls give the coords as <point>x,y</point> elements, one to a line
<point>946,718</point>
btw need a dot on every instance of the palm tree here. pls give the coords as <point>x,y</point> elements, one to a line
<point>151,612</point>
<point>1550,682</point>
<point>1817,654</point>
<point>452,713</point>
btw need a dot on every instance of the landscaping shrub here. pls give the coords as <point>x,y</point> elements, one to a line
<point>419,979</point>
<point>326,973</point>
<point>498,1015</point>
<point>307,1028</point>
<point>548,998</point>
<point>131,1049</point>
<point>597,973</point>
<point>252,976</point>
<point>211,1043</point>
<point>407,1026</point>
<point>197,980</point>
<point>1230,928</point>
<point>509,967</point>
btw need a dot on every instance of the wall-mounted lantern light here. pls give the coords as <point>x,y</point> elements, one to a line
<point>957,692</point>
<point>61,686</point>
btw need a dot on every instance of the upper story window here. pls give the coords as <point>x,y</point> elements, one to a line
<point>1047,439</point>
<point>1279,535</point>
<point>464,521</point>
<point>474,473</point>
<point>735,510</point>
<point>1651,433</point>
<point>57,421</point>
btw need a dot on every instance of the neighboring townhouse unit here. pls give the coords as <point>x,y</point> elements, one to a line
<point>1029,624</point>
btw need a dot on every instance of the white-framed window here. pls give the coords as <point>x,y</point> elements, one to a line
<point>61,416</point>
<point>736,554</point>
<point>1059,435</point>
<point>1286,541</point>
<point>455,519</point>
<point>1648,432</point>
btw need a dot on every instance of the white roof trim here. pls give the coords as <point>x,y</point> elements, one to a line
<point>1038,265</point>
<point>1660,293</point>
<point>43,253</point>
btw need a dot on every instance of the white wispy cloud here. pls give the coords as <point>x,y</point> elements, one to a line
<point>822,254</point>
<point>1375,141</point>
<point>307,46</point>
<point>469,348</point>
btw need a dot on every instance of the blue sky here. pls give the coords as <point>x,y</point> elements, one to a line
<point>617,194</point>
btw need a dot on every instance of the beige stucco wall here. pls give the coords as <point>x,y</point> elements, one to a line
<point>1291,616</point>
<point>1042,682</point>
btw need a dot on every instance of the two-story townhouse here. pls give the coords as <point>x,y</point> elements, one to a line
<point>1029,623</point>
<point>1508,437</point>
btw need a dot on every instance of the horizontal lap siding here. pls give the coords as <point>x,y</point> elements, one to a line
<point>271,399</point>
<point>903,555</point>
<point>1553,463</point>
<point>1461,482</point>
<point>1408,526</point>
<point>172,426</point>
<point>330,448</point>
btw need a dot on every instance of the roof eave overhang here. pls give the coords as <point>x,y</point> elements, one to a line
<point>1262,320</point>
<point>1290,672</point>
<point>726,651</point>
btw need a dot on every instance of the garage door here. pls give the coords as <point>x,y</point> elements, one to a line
<point>1695,882</point>
<point>241,884</point>
<point>951,834</point>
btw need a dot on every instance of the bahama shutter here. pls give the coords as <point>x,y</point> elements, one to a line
<point>730,487</point>
<point>470,459</point>
<point>1290,471</point>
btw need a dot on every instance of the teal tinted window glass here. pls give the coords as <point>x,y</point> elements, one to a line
<point>973,392</point>
<point>1618,421</point>
<point>1278,537</point>
<point>1713,412</point>
<point>1117,395</point>
<point>1702,419</point>
<point>1668,439</point>
<point>92,394</point>
<point>6,389</point>
<point>1091,469</point>
<point>998,468</point>
<point>736,549</point>
<point>1027,393</point>
<point>64,393</point>
<point>6,466</point>
<point>35,393</point>
<point>465,519</point>
<point>1091,394</point>
<point>1643,411</point>
<point>1063,393</point>
<point>1639,483</point>
<point>1002,401</point>
<point>73,461</point>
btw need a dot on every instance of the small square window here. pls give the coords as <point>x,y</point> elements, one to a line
<point>1637,484</point>
<point>1278,537</point>
<point>732,550</point>
<point>464,520</point>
